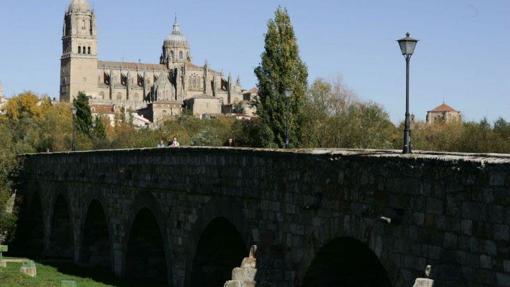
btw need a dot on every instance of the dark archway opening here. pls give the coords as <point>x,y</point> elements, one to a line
<point>146,254</point>
<point>61,238</point>
<point>220,249</point>
<point>95,246</point>
<point>29,237</point>
<point>346,262</point>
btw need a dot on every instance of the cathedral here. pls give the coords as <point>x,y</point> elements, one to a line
<point>153,90</point>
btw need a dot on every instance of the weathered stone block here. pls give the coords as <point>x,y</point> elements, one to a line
<point>244,273</point>
<point>423,282</point>
<point>501,232</point>
<point>29,268</point>
<point>249,262</point>
<point>506,266</point>
<point>485,261</point>
<point>233,283</point>
<point>503,279</point>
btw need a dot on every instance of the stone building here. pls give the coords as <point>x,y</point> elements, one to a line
<point>3,100</point>
<point>165,86</point>
<point>443,113</point>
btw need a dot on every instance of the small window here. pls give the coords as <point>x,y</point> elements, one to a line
<point>79,49</point>
<point>89,51</point>
<point>181,55</point>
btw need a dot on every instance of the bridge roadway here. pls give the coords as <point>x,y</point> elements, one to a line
<point>321,217</point>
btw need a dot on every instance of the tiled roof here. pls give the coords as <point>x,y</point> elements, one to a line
<point>103,109</point>
<point>443,108</point>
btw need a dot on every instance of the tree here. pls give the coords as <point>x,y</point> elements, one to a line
<point>24,105</point>
<point>8,164</point>
<point>281,70</point>
<point>83,114</point>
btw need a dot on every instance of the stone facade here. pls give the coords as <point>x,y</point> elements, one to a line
<point>135,85</point>
<point>204,106</point>
<point>401,212</point>
<point>3,100</point>
<point>443,114</point>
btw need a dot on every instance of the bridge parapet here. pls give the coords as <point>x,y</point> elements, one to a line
<point>400,212</point>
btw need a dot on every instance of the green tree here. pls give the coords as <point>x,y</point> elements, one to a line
<point>281,70</point>
<point>83,114</point>
<point>8,164</point>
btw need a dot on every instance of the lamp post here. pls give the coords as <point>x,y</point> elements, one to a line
<point>288,94</point>
<point>73,142</point>
<point>407,46</point>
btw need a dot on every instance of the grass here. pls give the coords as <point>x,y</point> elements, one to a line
<point>52,275</point>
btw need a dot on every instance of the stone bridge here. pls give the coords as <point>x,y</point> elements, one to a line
<point>187,216</point>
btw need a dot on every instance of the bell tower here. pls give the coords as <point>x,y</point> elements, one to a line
<point>78,70</point>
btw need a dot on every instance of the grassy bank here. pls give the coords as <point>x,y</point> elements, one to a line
<point>52,275</point>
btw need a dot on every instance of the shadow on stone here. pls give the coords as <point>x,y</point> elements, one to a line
<point>346,262</point>
<point>145,254</point>
<point>220,249</point>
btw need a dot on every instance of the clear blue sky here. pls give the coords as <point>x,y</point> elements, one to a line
<point>463,55</point>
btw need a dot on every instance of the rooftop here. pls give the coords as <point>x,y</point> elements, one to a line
<point>443,108</point>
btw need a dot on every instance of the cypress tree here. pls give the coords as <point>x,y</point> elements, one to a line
<point>281,73</point>
<point>83,114</point>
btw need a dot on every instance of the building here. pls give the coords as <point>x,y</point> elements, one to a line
<point>3,100</point>
<point>138,86</point>
<point>443,113</point>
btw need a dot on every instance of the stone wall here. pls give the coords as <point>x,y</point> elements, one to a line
<point>451,211</point>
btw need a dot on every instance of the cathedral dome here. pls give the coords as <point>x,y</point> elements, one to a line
<point>176,38</point>
<point>79,6</point>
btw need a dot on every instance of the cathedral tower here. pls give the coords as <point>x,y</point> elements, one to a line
<point>78,71</point>
<point>175,48</point>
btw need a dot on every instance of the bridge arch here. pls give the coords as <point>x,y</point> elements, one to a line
<point>30,230</point>
<point>221,227</point>
<point>95,244</point>
<point>345,261</point>
<point>61,243</point>
<point>147,250</point>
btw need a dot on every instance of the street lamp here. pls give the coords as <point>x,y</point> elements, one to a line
<point>288,94</point>
<point>407,46</point>
<point>73,142</point>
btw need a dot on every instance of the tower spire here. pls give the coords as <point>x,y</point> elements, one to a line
<point>176,27</point>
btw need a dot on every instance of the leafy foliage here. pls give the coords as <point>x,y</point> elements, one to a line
<point>83,114</point>
<point>281,71</point>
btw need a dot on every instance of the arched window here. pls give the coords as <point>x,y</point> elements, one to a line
<point>173,55</point>
<point>181,55</point>
<point>79,49</point>
<point>89,51</point>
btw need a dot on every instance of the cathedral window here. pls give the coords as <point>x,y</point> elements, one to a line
<point>79,49</point>
<point>83,26</point>
<point>89,51</point>
<point>181,55</point>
